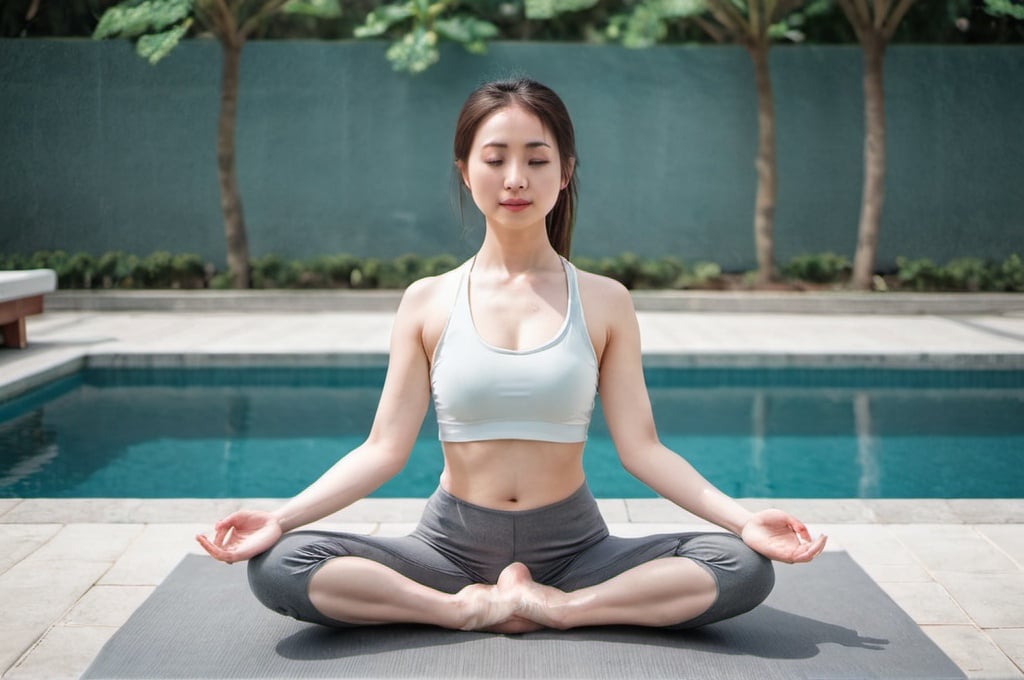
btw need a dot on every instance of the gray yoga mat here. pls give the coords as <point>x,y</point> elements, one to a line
<point>826,619</point>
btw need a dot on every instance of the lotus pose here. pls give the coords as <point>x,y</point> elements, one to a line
<point>512,347</point>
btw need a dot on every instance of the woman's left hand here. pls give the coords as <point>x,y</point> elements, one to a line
<point>781,537</point>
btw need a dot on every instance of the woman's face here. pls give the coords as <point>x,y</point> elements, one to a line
<point>513,169</point>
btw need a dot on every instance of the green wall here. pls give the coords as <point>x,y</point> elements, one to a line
<point>337,153</point>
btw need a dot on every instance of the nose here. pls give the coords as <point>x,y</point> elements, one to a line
<point>515,179</point>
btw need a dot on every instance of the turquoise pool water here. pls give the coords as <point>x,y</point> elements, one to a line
<point>786,433</point>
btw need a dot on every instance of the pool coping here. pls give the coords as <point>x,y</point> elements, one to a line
<point>870,511</point>
<point>347,300</point>
<point>20,380</point>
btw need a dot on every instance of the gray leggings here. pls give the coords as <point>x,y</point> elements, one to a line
<point>565,545</point>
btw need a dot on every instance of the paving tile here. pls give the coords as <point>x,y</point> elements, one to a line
<point>63,654</point>
<point>73,510</point>
<point>613,509</point>
<point>183,510</point>
<point>926,603</point>
<point>913,511</point>
<point>153,553</point>
<point>952,547</point>
<point>88,542</point>
<point>868,544</point>
<point>106,606</point>
<point>39,592</point>
<point>1010,641</point>
<point>988,510</point>
<point>991,600</point>
<point>18,541</point>
<point>974,652</point>
<point>1007,537</point>
<point>15,641</point>
<point>7,504</point>
<point>381,510</point>
<point>896,573</point>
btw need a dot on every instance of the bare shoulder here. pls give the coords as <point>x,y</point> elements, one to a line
<point>605,297</point>
<point>423,294</point>
<point>426,305</point>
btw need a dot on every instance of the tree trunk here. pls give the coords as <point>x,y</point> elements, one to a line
<point>873,47</point>
<point>230,199</point>
<point>764,206</point>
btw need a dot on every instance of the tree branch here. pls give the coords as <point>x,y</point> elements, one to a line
<point>895,18</point>
<point>730,18</point>
<point>861,11</point>
<point>851,17</point>
<point>784,8</point>
<point>756,17</point>
<point>716,33</point>
<point>881,8</point>
<point>253,22</point>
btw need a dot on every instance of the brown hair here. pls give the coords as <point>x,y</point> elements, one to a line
<point>542,102</point>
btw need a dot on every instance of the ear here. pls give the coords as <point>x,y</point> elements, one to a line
<point>568,174</point>
<point>465,176</point>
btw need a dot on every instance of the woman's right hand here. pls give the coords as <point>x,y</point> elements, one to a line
<point>242,535</point>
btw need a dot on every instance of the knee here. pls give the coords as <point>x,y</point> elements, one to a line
<point>755,574</point>
<point>268,581</point>
<point>744,577</point>
<point>279,577</point>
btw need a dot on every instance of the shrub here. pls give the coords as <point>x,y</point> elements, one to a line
<point>273,271</point>
<point>818,268</point>
<point>921,274</point>
<point>1011,274</point>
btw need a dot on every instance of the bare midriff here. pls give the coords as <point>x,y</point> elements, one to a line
<point>512,474</point>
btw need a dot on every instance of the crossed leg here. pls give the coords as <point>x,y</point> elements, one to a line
<point>661,592</point>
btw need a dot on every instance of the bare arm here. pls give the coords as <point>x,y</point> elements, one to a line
<point>400,412</point>
<point>627,410</point>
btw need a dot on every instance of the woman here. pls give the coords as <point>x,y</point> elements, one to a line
<point>512,347</point>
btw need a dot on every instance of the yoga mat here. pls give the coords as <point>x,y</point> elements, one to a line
<point>824,620</point>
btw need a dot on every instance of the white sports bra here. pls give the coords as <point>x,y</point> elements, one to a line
<point>482,392</point>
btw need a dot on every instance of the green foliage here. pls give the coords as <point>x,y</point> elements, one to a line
<point>647,22</point>
<point>320,9</point>
<point>1005,8</point>
<point>273,271</point>
<point>133,18</point>
<point>962,274</point>
<point>425,23</point>
<point>161,269</point>
<point>818,268</point>
<point>548,9</point>
<point>638,273</point>
<point>157,25</point>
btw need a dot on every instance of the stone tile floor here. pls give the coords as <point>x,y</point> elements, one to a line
<point>72,571</point>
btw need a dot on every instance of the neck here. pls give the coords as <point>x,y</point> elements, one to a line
<point>517,252</point>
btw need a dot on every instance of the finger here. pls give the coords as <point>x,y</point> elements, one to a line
<point>809,551</point>
<point>228,521</point>
<point>221,535</point>
<point>800,529</point>
<point>215,551</point>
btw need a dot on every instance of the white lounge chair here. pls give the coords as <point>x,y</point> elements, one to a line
<point>21,294</point>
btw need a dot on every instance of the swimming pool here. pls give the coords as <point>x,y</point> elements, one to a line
<point>266,432</point>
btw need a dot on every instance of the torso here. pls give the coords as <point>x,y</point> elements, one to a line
<point>517,314</point>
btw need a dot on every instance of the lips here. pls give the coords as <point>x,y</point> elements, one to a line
<point>515,204</point>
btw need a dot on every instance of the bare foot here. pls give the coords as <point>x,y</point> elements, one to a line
<point>484,607</point>
<point>535,603</point>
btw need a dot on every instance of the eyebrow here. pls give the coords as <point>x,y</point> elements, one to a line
<point>529,145</point>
